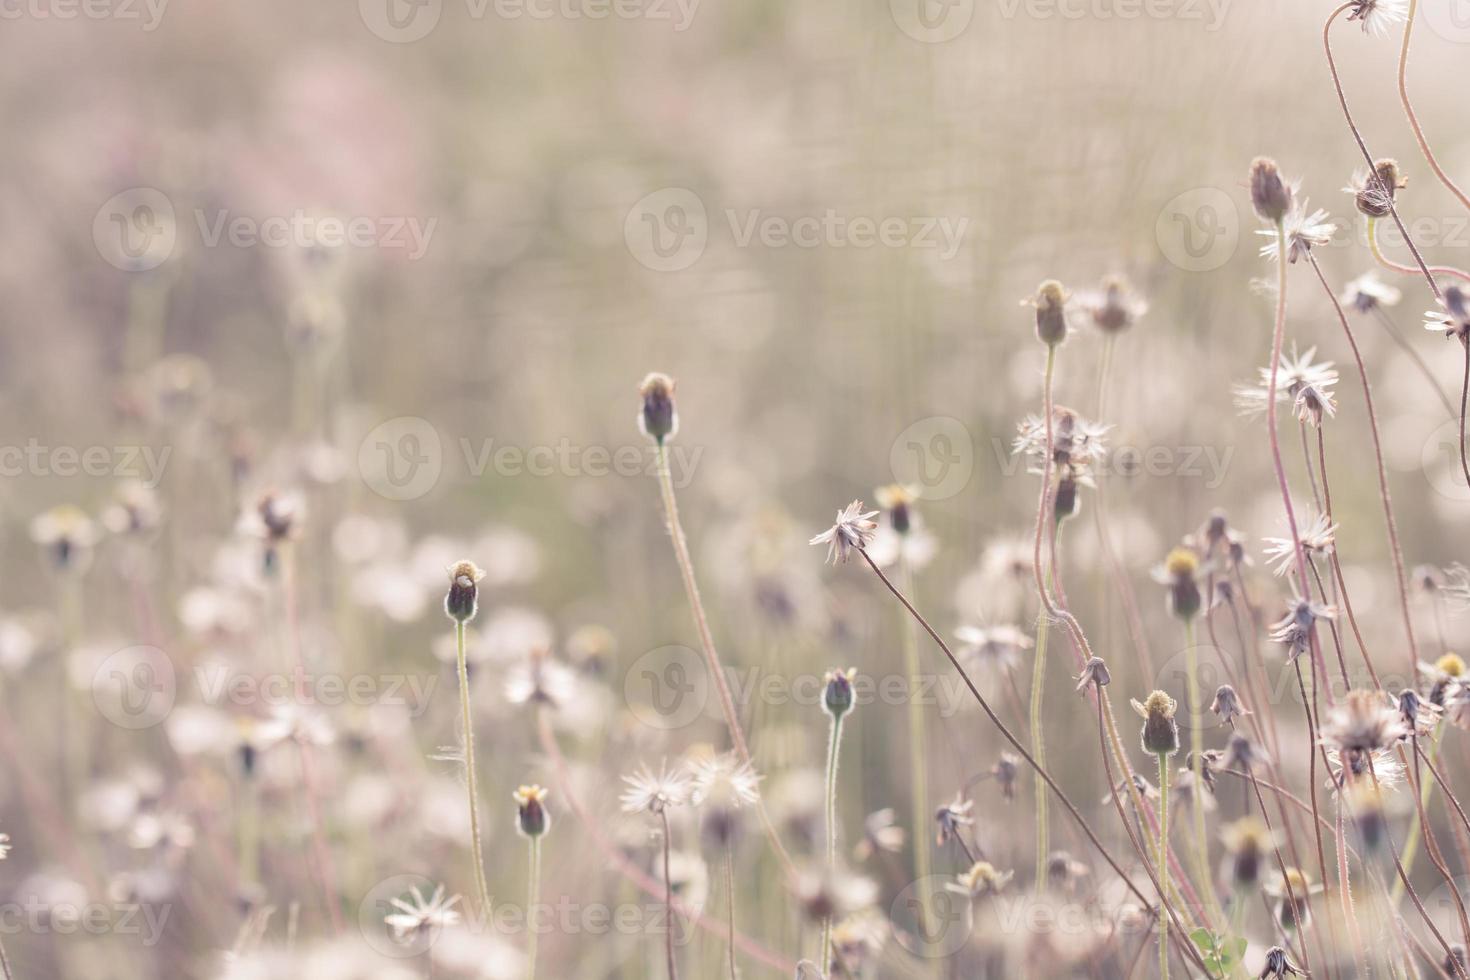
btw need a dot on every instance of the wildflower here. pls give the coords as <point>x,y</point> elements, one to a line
<point>532,817</point>
<point>65,535</point>
<point>1095,671</point>
<point>461,602</point>
<point>1374,191</point>
<point>829,894</point>
<point>1420,717</point>
<point>881,832</point>
<point>1296,629</point>
<point>658,419</point>
<point>1368,292</point>
<point>1160,732</point>
<point>897,502</point>
<point>1303,230</point>
<point>1241,753</point>
<point>1145,789</point>
<point>1305,382</point>
<point>1000,646</point>
<point>1316,539</point>
<point>1278,966</point>
<point>1457,705</point>
<point>982,879</point>
<point>1063,872</point>
<point>1350,765</point>
<point>1005,771</point>
<point>1115,307</point>
<point>650,793</point>
<point>4,846</point>
<point>1363,722</point>
<point>1453,317</point>
<point>837,695</point>
<point>853,530</point>
<point>857,941</point>
<point>1179,572</point>
<point>1050,303</point>
<point>540,680</point>
<point>951,817</point>
<point>422,916</point>
<point>1227,704</point>
<point>1293,893</point>
<point>1247,842</point>
<point>135,510</point>
<point>1077,446</point>
<point>1377,16</point>
<point>903,536</point>
<point>723,786</point>
<point>1443,674</point>
<point>1271,196</point>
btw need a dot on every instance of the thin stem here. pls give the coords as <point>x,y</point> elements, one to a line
<point>1363,147</point>
<point>918,752</point>
<point>663,814</point>
<point>730,905</point>
<point>534,899</point>
<point>1163,860</point>
<point>1196,765</point>
<point>707,643</point>
<point>1038,747</point>
<point>1414,119</point>
<point>1464,399</point>
<point>1395,549</point>
<point>834,743</point>
<point>467,733</point>
<point>1277,337</point>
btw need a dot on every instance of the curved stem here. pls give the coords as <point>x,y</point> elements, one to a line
<point>1444,178</point>
<point>1382,258</point>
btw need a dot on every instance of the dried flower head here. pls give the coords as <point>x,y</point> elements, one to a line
<point>462,599</point>
<point>993,646</point>
<point>1317,540</point>
<point>1453,316</point>
<point>1303,229</point>
<point>1227,704</point>
<point>1095,671</point>
<point>648,792</point>
<point>982,879</point>
<point>1292,892</point>
<point>1077,444</point>
<point>1179,574</point>
<point>1271,195</point>
<point>1380,768</point>
<point>1374,190</point>
<point>853,529</point>
<point>1160,732</point>
<point>1368,292</point>
<point>532,817</point>
<point>421,917</point>
<point>1005,771</point>
<point>1299,379</point>
<point>722,786</point>
<point>1115,306</point>
<point>1248,842</point>
<point>658,419</point>
<point>1241,753</point>
<point>1296,629</point>
<point>1377,16</point>
<point>1364,721</point>
<point>1279,965</point>
<point>1050,303</point>
<point>951,817</point>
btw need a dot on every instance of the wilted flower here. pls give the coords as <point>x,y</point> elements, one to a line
<point>1145,789</point>
<point>1227,704</point>
<point>1368,292</point>
<point>1377,16</point>
<point>1278,965</point>
<point>1307,384</point>
<point>1365,721</point>
<point>1296,628</point>
<point>1303,230</point>
<point>1453,317</point>
<point>1241,753</point>
<point>1005,771</point>
<point>658,419</point>
<point>1347,765</point>
<point>1317,539</point>
<point>853,529</point>
<point>1095,671</point>
<point>951,817</point>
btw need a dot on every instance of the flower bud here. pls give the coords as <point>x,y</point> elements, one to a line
<point>532,817</point>
<point>1051,315</point>
<point>1160,732</point>
<point>1270,195</point>
<point>837,698</point>
<point>460,603</point>
<point>658,420</point>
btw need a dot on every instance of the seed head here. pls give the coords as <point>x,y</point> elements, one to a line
<point>837,697</point>
<point>658,419</point>
<point>1050,303</point>
<point>1271,196</point>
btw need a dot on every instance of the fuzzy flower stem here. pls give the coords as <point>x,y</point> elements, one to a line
<point>467,732</point>
<point>668,897</point>
<point>1388,263</point>
<point>1196,765</point>
<point>1420,791</point>
<point>1417,822</point>
<point>1444,178</point>
<point>533,899</point>
<point>1274,436</point>
<point>1395,548</point>
<point>730,906</point>
<point>1038,746</point>
<point>1358,137</point>
<point>1005,732</point>
<point>707,644</point>
<point>1163,861</point>
<point>834,747</point>
<point>633,873</point>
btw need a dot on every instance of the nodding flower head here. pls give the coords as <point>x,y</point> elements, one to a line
<point>1374,190</point>
<point>1160,732</point>
<point>658,419</point>
<point>1271,195</point>
<point>1453,316</point>
<point>853,530</point>
<point>532,817</point>
<point>1050,303</point>
<point>1227,704</point>
<point>1296,629</point>
<point>462,599</point>
<point>837,695</point>
<point>1095,671</point>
